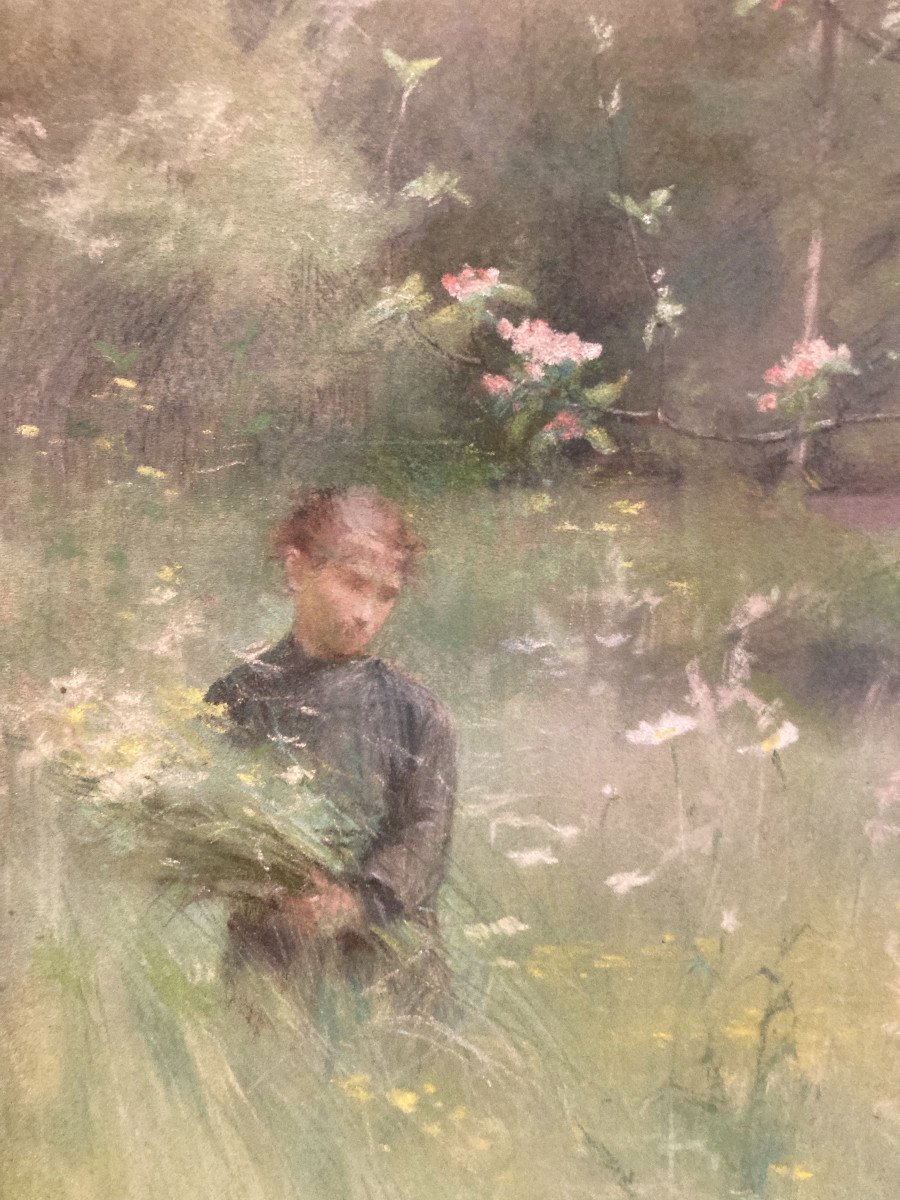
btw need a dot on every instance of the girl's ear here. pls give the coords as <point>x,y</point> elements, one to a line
<point>293,566</point>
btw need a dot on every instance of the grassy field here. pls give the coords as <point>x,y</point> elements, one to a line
<point>677,953</point>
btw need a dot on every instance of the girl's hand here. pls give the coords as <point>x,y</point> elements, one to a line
<point>324,909</point>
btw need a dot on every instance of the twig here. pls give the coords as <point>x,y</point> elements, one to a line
<point>651,417</point>
<point>462,359</point>
<point>392,141</point>
<point>886,48</point>
<point>221,467</point>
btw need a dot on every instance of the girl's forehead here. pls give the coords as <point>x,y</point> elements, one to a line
<point>365,551</point>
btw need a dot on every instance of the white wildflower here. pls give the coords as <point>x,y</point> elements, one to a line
<point>625,882</point>
<point>730,922</point>
<point>754,608</point>
<point>670,725</point>
<point>785,735</point>
<point>613,641</point>
<point>504,927</point>
<point>539,856</point>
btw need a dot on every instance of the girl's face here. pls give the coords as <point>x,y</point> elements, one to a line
<point>341,603</point>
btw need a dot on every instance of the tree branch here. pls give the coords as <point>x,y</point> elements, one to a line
<point>886,48</point>
<point>463,359</point>
<point>656,417</point>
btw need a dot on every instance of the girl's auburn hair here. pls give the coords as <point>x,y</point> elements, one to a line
<point>321,514</point>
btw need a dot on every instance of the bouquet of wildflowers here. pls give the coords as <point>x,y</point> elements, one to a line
<point>157,783</point>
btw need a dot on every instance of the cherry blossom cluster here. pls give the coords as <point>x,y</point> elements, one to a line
<point>537,345</point>
<point>566,425</point>
<point>543,346</point>
<point>497,385</point>
<point>806,361</point>
<point>471,281</point>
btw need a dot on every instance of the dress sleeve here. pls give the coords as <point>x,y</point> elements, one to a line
<point>244,721</point>
<point>405,865</point>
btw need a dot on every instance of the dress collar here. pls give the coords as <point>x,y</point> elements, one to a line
<point>291,654</point>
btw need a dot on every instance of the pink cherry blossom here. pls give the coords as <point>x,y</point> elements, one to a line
<point>805,361</point>
<point>566,425</point>
<point>534,370</point>
<point>803,366</point>
<point>767,402</point>
<point>536,341</point>
<point>471,281</point>
<point>820,354</point>
<point>496,385</point>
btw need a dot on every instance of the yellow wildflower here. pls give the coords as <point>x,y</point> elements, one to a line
<point>459,1113</point>
<point>738,1032</point>
<point>151,472</point>
<point>169,573</point>
<point>662,1036</point>
<point>429,1089</point>
<point>607,961</point>
<point>605,527</point>
<point>149,407</point>
<point>103,443</point>
<point>184,702</point>
<point>798,1172</point>
<point>404,1100</point>
<point>707,945</point>
<point>540,502</point>
<point>27,431</point>
<point>657,950</point>
<point>128,384</point>
<point>77,713</point>
<point>129,749</point>
<point>629,508</point>
<point>679,585</point>
<point>432,1129</point>
<point>566,527</point>
<point>356,1087</point>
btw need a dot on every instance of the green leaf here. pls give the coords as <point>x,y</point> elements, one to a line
<point>409,297</point>
<point>122,360</point>
<point>519,428</point>
<point>604,394</point>
<point>627,204</point>
<point>512,294</point>
<point>81,427</point>
<point>408,71</point>
<point>239,349</point>
<point>260,423</point>
<point>117,558</point>
<point>600,440</point>
<point>648,213</point>
<point>452,326</point>
<point>433,186</point>
<point>64,548</point>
